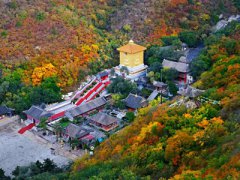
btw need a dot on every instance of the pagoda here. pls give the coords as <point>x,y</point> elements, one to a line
<point>132,57</point>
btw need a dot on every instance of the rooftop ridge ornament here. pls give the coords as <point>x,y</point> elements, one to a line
<point>131,41</point>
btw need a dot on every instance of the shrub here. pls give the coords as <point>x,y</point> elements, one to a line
<point>130,116</point>
<point>12,5</point>
<point>189,37</point>
<point>18,24</point>
<point>168,40</point>
<point>40,16</point>
<point>127,28</point>
<point>4,34</point>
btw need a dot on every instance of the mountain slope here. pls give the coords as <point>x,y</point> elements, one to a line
<point>63,33</point>
<point>176,142</point>
<point>148,20</point>
<point>67,35</point>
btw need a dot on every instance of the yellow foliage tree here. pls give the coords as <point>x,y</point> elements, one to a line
<point>176,144</point>
<point>40,73</point>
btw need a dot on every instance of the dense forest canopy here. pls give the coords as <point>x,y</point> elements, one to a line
<point>64,36</point>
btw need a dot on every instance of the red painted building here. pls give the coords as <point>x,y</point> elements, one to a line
<point>182,68</point>
<point>52,112</point>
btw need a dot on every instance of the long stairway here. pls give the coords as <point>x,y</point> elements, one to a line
<point>81,90</point>
<point>93,92</point>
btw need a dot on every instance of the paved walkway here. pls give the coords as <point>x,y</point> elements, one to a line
<point>21,150</point>
<point>62,150</point>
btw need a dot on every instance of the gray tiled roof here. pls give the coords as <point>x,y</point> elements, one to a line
<point>159,84</point>
<point>179,66</point>
<point>5,110</point>
<point>183,59</point>
<point>135,101</point>
<point>102,74</point>
<point>103,119</point>
<point>84,108</point>
<point>37,112</point>
<point>191,92</point>
<point>193,53</point>
<point>75,131</point>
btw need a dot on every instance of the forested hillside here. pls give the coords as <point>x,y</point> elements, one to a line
<point>47,45</point>
<point>49,38</point>
<point>67,40</point>
<point>149,20</point>
<point>59,38</point>
<point>178,142</point>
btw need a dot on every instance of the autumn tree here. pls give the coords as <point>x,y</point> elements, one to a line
<point>189,37</point>
<point>122,86</point>
<point>176,145</point>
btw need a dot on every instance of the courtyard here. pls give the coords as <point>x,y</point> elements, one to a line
<point>21,150</point>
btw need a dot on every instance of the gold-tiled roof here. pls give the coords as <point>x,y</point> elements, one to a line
<point>131,48</point>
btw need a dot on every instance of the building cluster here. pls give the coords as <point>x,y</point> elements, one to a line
<point>182,67</point>
<point>89,102</point>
